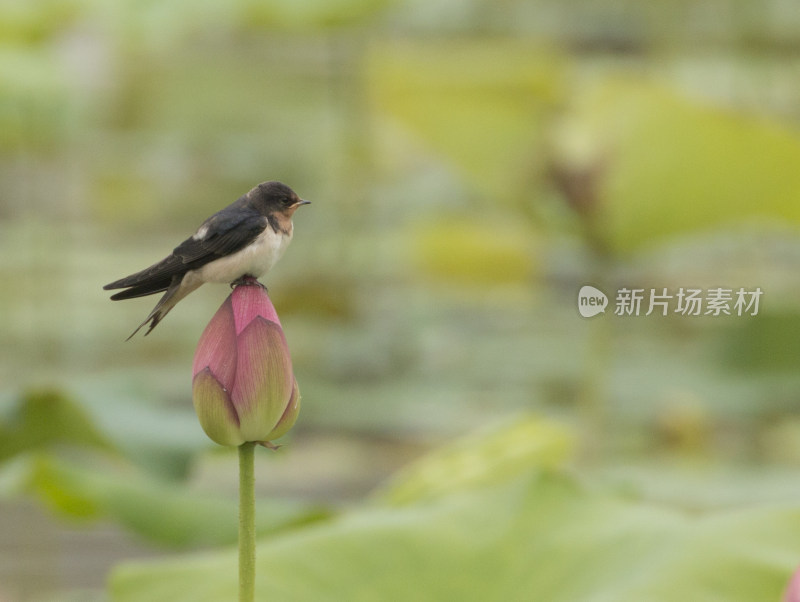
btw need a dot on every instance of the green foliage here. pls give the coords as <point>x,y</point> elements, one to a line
<point>481,103</point>
<point>660,164</point>
<point>311,13</point>
<point>479,460</point>
<point>770,344</point>
<point>474,251</point>
<point>42,428</point>
<point>672,165</point>
<point>159,439</point>
<point>45,419</point>
<point>167,513</point>
<point>523,535</point>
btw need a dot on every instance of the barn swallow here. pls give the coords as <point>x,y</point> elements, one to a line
<point>246,238</point>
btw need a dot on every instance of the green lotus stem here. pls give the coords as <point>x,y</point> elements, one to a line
<point>247,523</point>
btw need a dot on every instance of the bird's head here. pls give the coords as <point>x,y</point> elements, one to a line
<point>275,197</point>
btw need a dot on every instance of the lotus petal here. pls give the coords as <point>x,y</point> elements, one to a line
<point>215,410</point>
<point>264,378</point>
<point>217,347</point>
<point>249,302</point>
<point>289,416</point>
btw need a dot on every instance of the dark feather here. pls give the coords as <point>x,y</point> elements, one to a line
<point>161,271</point>
<point>142,290</point>
<point>226,232</point>
<point>175,292</point>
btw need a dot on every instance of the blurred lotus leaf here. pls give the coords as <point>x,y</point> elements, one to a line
<point>467,251</point>
<point>318,294</point>
<point>44,419</point>
<point>538,535</point>
<point>479,459</point>
<point>670,165</point>
<point>167,513</point>
<point>111,416</point>
<point>305,13</point>
<point>481,104</point>
<point>770,343</point>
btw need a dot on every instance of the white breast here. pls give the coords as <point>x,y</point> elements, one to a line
<point>255,259</point>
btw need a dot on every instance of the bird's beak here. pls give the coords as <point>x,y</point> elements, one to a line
<point>290,211</point>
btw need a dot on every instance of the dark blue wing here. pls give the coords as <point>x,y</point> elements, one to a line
<point>223,233</point>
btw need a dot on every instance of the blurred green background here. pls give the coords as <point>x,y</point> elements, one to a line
<point>465,433</point>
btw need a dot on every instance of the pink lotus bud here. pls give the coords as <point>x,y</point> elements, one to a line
<point>243,386</point>
<point>793,589</point>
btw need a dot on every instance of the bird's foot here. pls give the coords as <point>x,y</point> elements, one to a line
<point>247,280</point>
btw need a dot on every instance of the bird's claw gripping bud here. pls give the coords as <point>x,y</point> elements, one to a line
<point>247,280</point>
